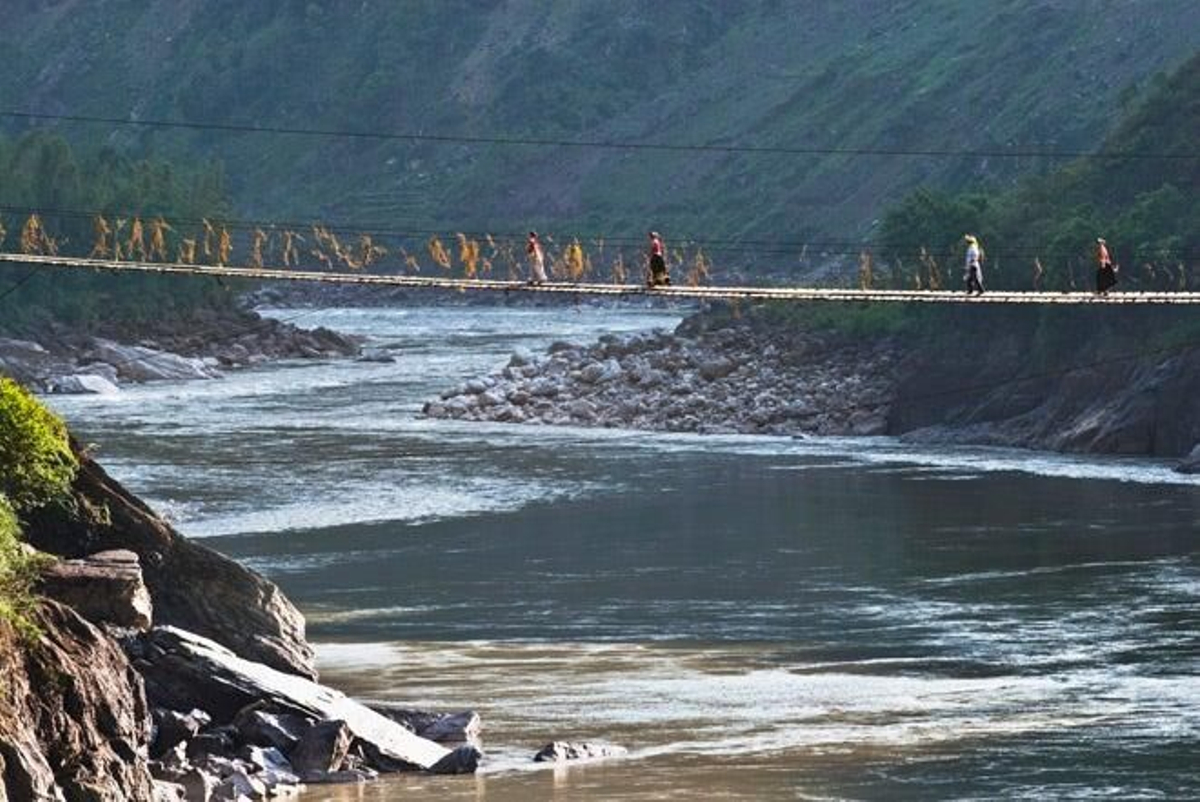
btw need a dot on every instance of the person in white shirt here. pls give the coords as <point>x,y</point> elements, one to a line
<point>973,270</point>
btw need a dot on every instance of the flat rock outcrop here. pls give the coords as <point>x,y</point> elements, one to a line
<point>183,671</point>
<point>105,588</point>
<point>191,586</point>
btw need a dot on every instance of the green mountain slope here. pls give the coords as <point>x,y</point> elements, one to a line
<point>1147,209</point>
<point>929,75</point>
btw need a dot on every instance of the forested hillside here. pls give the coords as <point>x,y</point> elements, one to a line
<point>52,198</point>
<point>1043,231</point>
<point>941,75</point>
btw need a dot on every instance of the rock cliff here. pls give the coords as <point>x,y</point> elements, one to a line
<point>192,587</point>
<point>73,715</point>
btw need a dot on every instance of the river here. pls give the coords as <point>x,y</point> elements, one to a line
<point>753,617</point>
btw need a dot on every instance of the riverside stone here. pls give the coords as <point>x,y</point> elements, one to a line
<point>560,751</point>
<point>265,728</point>
<point>322,748</point>
<point>172,729</point>
<point>463,760</point>
<point>453,728</point>
<point>238,786</point>
<point>105,588</point>
<point>138,363</point>
<point>1191,463</point>
<point>82,384</point>
<point>441,727</point>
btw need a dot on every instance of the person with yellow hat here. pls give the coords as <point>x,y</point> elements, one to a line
<point>973,270</point>
<point>1106,271</point>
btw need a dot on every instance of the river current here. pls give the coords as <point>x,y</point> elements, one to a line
<point>753,617</point>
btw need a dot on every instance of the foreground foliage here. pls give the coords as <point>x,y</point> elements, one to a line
<point>36,462</point>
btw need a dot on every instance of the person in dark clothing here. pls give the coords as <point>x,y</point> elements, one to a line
<point>1106,271</point>
<point>658,264</point>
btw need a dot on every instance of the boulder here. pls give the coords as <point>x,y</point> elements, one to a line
<point>198,786</point>
<point>238,786</point>
<point>82,384</point>
<point>322,748</point>
<point>261,727</point>
<point>25,361</point>
<point>140,364</point>
<point>441,727</point>
<point>716,368</point>
<point>453,728</point>
<point>270,765</point>
<point>105,588</point>
<point>543,388</point>
<point>1191,463</point>
<point>172,728</point>
<point>183,670</point>
<point>463,760</point>
<point>600,372</point>
<point>560,751</point>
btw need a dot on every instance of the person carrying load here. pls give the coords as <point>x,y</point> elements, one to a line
<point>659,276</point>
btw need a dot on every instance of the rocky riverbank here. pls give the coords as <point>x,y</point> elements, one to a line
<point>727,380</point>
<point>987,379</point>
<point>162,670</point>
<point>58,359</point>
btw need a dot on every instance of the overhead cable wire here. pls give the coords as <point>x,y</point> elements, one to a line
<point>600,144</point>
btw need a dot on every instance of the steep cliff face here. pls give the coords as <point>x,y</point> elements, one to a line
<point>73,718</point>
<point>1098,384</point>
<point>192,587</point>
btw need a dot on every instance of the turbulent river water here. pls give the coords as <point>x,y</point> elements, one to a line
<point>754,618</point>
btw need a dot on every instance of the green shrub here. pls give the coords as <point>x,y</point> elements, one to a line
<point>36,462</point>
<point>18,570</point>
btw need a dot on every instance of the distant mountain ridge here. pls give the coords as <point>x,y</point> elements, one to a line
<point>930,75</point>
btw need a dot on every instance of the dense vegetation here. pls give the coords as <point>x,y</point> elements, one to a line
<point>1146,208</point>
<point>36,468</point>
<point>936,75</point>
<point>41,173</point>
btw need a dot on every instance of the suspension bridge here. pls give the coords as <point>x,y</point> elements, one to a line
<point>581,289</point>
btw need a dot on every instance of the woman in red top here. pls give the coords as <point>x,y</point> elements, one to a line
<point>658,264</point>
<point>537,259</point>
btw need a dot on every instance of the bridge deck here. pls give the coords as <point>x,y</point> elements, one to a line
<point>715,292</point>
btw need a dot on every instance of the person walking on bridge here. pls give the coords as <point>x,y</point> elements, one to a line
<point>1106,271</point>
<point>537,259</point>
<point>658,264</point>
<point>973,268</point>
